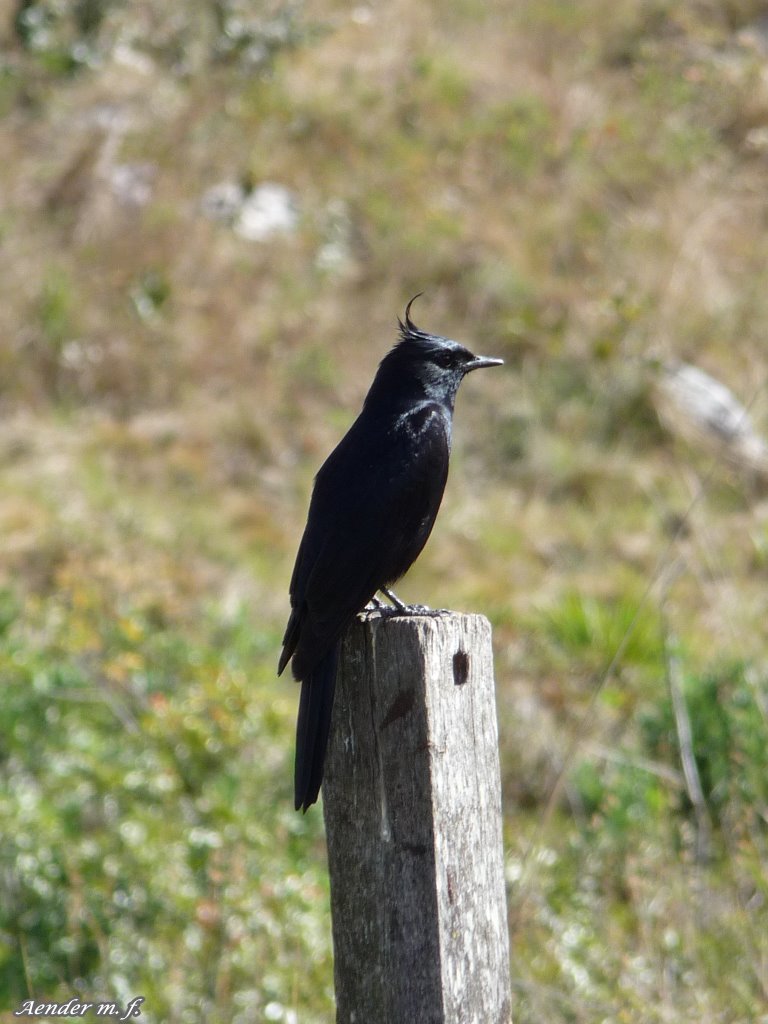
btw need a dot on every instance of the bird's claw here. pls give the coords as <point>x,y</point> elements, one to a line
<point>415,609</point>
<point>421,609</point>
<point>407,610</point>
<point>401,608</point>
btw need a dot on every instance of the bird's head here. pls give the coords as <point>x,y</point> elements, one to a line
<point>428,365</point>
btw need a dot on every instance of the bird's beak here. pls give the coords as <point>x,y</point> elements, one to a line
<point>481,361</point>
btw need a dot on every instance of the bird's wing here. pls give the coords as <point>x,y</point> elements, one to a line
<point>372,510</point>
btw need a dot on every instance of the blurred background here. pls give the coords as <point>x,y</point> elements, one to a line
<point>211,214</point>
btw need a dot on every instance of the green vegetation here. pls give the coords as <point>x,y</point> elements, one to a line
<point>579,188</point>
<point>149,841</point>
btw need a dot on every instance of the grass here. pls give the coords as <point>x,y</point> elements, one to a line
<point>124,736</point>
<point>577,188</point>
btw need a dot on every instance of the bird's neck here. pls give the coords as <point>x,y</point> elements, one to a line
<point>394,392</point>
<point>391,404</point>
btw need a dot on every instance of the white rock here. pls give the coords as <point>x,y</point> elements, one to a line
<point>267,211</point>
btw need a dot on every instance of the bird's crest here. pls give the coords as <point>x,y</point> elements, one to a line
<point>409,328</point>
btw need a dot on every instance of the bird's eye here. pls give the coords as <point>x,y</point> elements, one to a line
<point>443,359</point>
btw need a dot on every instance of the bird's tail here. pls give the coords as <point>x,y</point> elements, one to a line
<point>312,728</point>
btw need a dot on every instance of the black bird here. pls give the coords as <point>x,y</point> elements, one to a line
<point>373,506</point>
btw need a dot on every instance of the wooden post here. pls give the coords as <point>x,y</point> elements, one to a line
<point>412,803</point>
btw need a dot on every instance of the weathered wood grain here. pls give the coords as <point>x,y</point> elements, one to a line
<point>412,803</point>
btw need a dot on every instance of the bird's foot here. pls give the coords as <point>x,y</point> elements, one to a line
<point>423,609</point>
<point>401,608</point>
<point>375,605</point>
<point>415,609</point>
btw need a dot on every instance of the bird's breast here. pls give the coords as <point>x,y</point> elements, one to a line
<point>424,421</point>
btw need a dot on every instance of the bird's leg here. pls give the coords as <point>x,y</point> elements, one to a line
<point>392,596</point>
<point>374,605</point>
<point>402,607</point>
